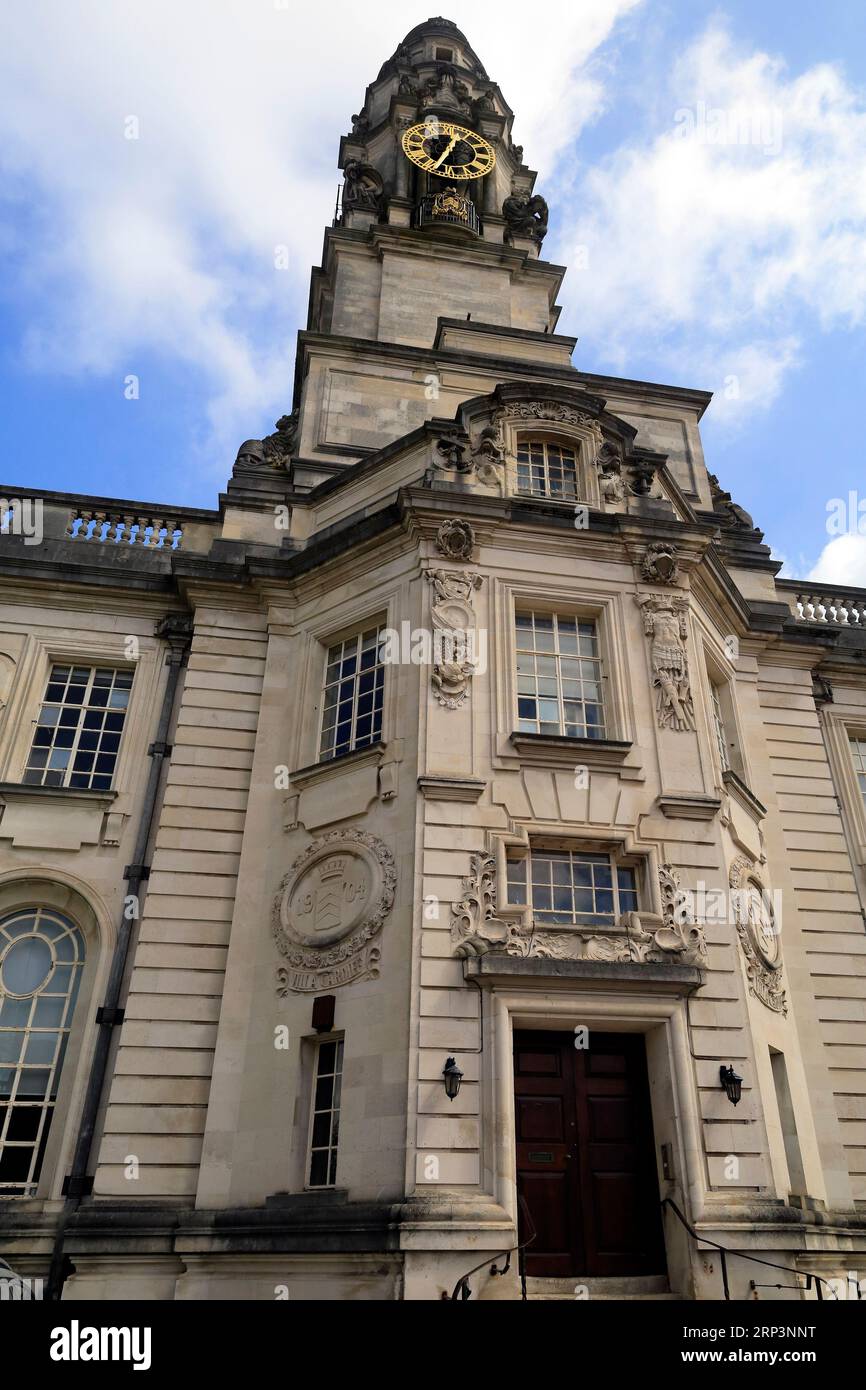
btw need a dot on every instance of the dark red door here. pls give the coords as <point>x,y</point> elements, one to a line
<point>585,1155</point>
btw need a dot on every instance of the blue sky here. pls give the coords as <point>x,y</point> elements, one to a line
<point>705,167</point>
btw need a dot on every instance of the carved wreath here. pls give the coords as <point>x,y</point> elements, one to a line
<point>291,944</point>
<point>763,965</point>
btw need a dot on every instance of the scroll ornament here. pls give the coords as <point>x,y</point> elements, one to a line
<point>454,635</point>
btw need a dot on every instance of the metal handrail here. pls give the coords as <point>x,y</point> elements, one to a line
<point>463,1292</point>
<point>725,1250</point>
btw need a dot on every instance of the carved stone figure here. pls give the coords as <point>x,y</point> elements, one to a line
<point>526,215</point>
<point>456,540</point>
<point>407,86</point>
<point>665,623</point>
<point>329,908</point>
<point>489,455</point>
<point>610,479</point>
<point>250,455</point>
<point>361,125</point>
<point>517,152</point>
<point>278,448</point>
<point>728,511</point>
<point>362,186</point>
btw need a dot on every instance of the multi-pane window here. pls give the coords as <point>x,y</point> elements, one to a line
<point>546,470</point>
<point>354,695</point>
<point>325,1130</point>
<point>565,888</point>
<point>719,728</point>
<point>79,728</point>
<point>858,753</point>
<point>41,959</point>
<point>559,676</point>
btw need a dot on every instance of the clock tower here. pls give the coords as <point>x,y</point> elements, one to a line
<point>434,256</point>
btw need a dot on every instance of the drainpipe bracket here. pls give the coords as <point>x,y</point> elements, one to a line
<point>78,1187</point>
<point>110,1018</point>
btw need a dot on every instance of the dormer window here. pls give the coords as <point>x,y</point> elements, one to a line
<point>547,469</point>
<point>444,55</point>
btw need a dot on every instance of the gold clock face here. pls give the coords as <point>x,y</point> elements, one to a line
<point>448,151</point>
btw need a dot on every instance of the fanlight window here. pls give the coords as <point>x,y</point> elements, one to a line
<point>545,469</point>
<point>41,960</point>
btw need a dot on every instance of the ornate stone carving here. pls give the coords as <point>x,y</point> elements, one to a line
<point>557,413</point>
<point>278,448</point>
<point>362,187</point>
<point>250,455</point>
<point>475,927</point>
<point>727,510</point>
<point>273,452</point>
<point>643,938</point>
<point>455,540</point>
<point>526,215</point>
<point>610,479</point>
<point>450,452</point>
<point>454,634</point>
<point>361,125</point>
<point>665,623</point>
<point>759,936</point>
<point>329,909</point>
<point>489,455</point>
<point>660,564</point>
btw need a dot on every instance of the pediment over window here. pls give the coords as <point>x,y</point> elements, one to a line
<point>558,444</point>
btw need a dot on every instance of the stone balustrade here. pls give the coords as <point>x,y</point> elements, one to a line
<point>833,607</point>
<point>126,528</point>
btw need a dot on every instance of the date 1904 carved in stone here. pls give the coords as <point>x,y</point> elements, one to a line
<point>330,907</point>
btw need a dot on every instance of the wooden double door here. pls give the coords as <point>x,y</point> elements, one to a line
<point>585,1156</point>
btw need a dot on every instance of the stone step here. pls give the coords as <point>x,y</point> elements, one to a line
<point>654,1287</point>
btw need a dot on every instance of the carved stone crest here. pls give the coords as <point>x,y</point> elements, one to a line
<point>665,622</point>
<point>329,909</point>
<point>660,564</point>
<point>456,540</point>
<point>759,934</point>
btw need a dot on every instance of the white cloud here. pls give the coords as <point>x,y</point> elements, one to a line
<point>711,256</point>
<point>164,246</point>
<point>843,561</point>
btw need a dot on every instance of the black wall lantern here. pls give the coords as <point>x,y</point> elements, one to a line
<point>732,1084</point>
<point>453,1078</point>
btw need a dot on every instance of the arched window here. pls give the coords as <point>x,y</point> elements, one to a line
<point>41,960</point>
<point>547,469</point>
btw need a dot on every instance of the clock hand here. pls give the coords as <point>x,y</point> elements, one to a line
<point>444,155</point>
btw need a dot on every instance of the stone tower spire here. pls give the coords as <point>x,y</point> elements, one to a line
<point>435,80</point>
